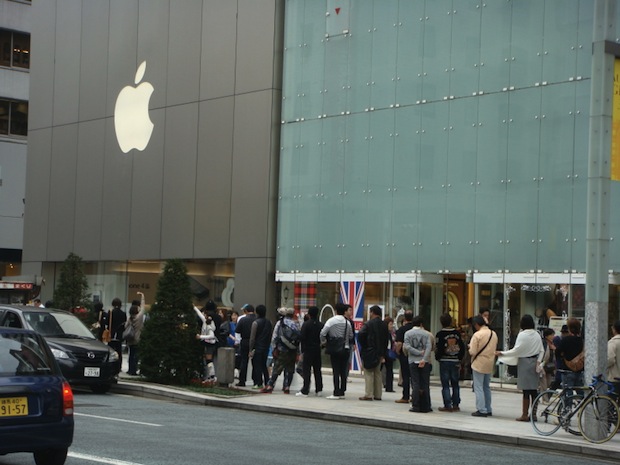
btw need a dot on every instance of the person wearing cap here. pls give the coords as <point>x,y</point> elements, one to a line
<point>285,344</point>
<point>244,329</point>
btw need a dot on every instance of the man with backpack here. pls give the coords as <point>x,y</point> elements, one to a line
<point>285,345</point>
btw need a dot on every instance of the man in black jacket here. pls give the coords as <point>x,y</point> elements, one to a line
<point>244,329</point>
<point>311,352</point>
<point>402,357</point>
<point>373,339</point>
<point>260,339</point>
<point>449,352</point>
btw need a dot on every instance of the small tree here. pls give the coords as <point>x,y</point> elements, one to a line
<point>169,351</point>
<point>71,292</point>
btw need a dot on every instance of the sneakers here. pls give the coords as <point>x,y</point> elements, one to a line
<point>257,386</point>
<point>332,397</point>
<point>478,413</point>
<point>301,394</point>
<point>266,390</point>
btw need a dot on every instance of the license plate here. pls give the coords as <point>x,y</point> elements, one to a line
<point>13,407</point>
<point>92,372</point>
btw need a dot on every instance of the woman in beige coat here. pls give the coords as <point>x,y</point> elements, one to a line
<point>482,348</point>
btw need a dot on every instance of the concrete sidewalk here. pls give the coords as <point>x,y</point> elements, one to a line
<point>501,428</point>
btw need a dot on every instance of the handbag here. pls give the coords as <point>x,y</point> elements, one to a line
<point>392,355</point>
<point>105,335</point>
<point>577,363</point>
<point>129,334</point>
<point>335,345</point>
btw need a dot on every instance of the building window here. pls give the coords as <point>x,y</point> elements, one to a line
<point>13,118</point>
<point>14,49</point>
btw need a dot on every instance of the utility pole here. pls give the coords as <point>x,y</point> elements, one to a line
<point>604,52</point>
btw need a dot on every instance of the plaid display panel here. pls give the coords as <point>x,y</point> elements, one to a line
<point>305,296</point>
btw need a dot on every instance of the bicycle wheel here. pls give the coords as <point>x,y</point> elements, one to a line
<point>546,412</point>
<point>598,419</point>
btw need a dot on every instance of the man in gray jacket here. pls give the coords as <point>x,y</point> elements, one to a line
<point>418,345</point>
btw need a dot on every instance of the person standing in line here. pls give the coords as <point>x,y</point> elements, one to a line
<point>338,335</point>
<point>569,348</point>
<point>244,329</point>
<point>136,319</point>
<point>418,345</point>
<point>373,340</point>
<point>450,351</point>
<point>403,359</point>
<point>102,320</point>
<point>548,360</point>
<point>260,339</point>
<point>209,341</point>
<point>527,354</point>
<point>116,324</point>
<point>311,353</point>
<point>388,365</point>
<point>613,356</point>
<point>285,345</point>
<point>482,347</point>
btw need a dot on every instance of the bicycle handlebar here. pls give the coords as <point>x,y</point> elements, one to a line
<point>599,379</point>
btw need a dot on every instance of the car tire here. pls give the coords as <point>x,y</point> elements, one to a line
<point>100,388</point>
<point>51,456</point>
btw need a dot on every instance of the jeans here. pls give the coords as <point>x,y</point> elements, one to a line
<point>133,359</point>
<point>420,383</point>
<point>482,391</point>
<point>449,374</point>
<point>284,362</point>
<point>340,369</point>
<point>571,379</point>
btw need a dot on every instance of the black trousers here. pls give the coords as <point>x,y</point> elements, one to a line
<point>312,362</point>
<point>340,368</point>
<point>406,375</point>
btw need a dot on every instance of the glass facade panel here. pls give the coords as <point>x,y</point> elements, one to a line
<point>335,75</point>
<point>410,52</point>
<point>313,58</point>
<point>580,176</point>
<point>433,186</point>
<point>437,20</point>
<point>360,61</point>
<point>555,177</point>
<point>461,184</point>
<point>465,64</point>
<point>526,46</point>
<point>287,204</point>
<point>495,46</point>
<point>560,48</point>
<point>522,192</point>
<point>405,231</point>
<point>292,63</point>
<point>384,36</point>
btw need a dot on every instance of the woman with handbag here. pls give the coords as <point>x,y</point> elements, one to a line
<point>116,326</point>
<point>135,323</point>
<point>527,354</point>
<point>482,348</point>
<point>388,363</point>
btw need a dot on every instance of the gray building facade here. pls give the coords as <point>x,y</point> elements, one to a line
<point>204,189</point>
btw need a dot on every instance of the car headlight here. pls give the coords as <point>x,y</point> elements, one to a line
<point>60,354</point>
<point>112,355</point>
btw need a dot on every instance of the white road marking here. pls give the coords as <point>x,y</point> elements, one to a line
<point>116,419</point>
<point>94,458</point>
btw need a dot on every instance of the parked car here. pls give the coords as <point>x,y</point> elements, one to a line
<point>83,359</point>
<point>36,402</point>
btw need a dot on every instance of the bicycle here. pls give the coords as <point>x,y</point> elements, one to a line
<point>596,413</point>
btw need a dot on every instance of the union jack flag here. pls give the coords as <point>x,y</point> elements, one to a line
<point>352,293</point>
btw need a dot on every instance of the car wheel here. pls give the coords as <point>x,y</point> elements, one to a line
<point>100,388</point>
<point>51,456</point>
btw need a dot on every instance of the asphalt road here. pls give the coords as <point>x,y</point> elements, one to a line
<point>122,430</point>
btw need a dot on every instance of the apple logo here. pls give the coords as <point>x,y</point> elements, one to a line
<point>131,114</point>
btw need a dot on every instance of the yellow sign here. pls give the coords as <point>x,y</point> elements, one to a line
<point>615,125</point>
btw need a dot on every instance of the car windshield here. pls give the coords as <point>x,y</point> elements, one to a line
<point>21,354</point>
<point>57,324</point>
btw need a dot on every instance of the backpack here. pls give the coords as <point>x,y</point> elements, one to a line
<point>129,334</point>
<point>290,336</point>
